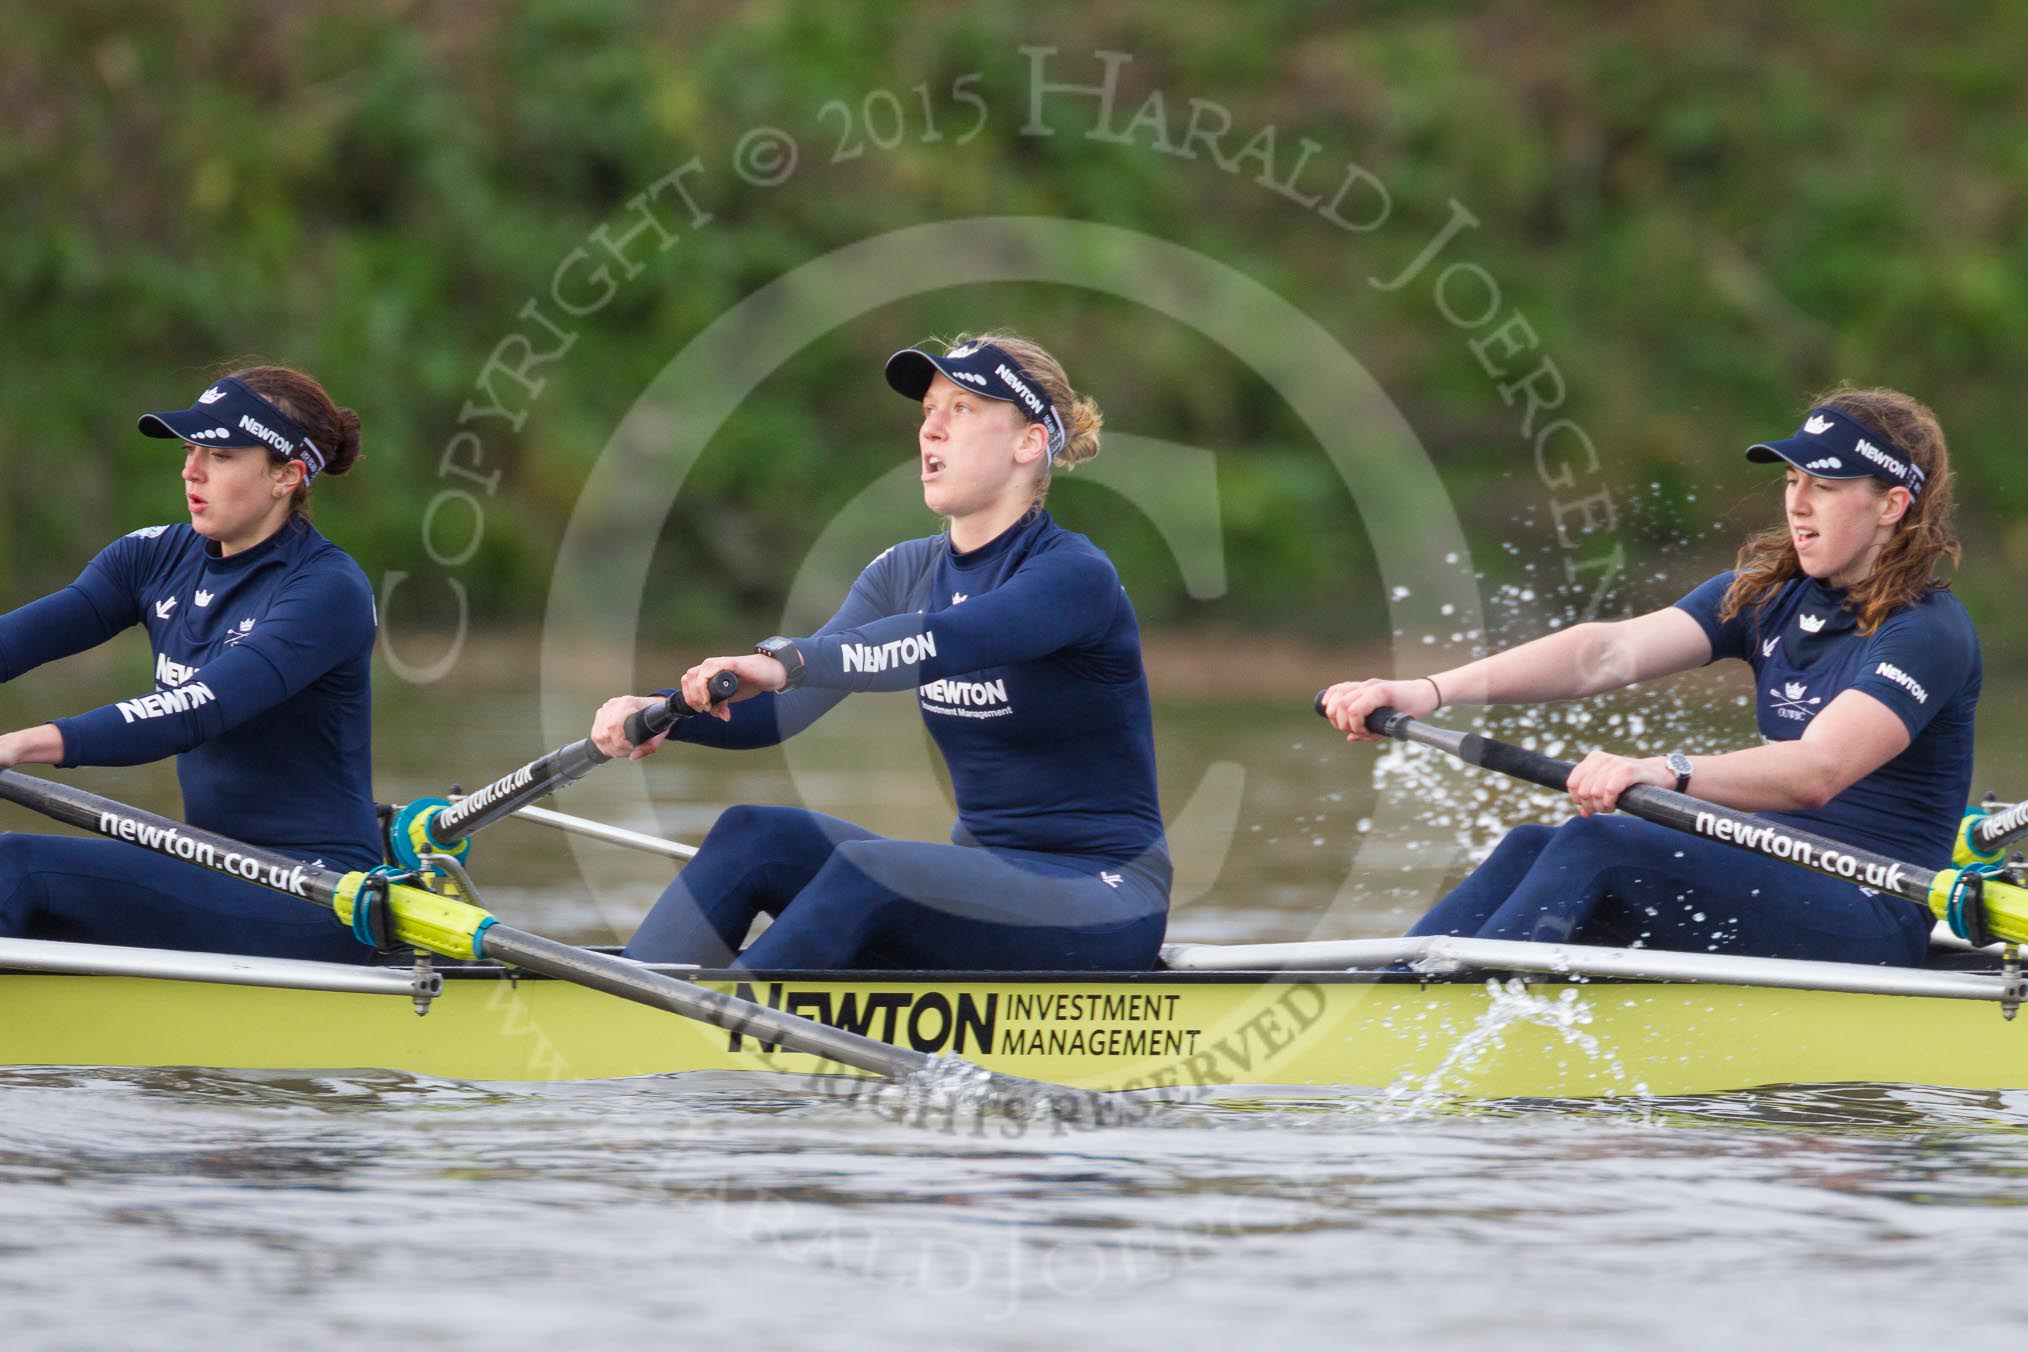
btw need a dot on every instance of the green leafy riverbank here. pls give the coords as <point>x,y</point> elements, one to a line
<point>1699,216</point>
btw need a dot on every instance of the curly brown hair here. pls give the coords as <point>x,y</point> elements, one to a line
<point>1906,568</point>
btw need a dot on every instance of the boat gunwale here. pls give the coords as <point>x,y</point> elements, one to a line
<point>486,970</point>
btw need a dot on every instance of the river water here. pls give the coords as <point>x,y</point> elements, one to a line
<point>207,1208</point>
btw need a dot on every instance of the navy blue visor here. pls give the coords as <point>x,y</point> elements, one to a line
<point>1832,445</point>
<point>984,368</point>
<point>230,414</point>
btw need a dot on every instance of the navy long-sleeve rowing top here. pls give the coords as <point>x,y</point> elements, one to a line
<point>1025,657</point>
<point>262,681</point>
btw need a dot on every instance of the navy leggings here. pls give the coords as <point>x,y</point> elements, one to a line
<point>845,898</point>
<point>109,892</point>
<point>1621,881</point>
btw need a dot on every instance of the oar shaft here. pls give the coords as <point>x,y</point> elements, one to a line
<point>271,869</point>
<point>546,774</point>
<point>449,926</point>
<point>450,827</point>
<point>631,981</point>
<point>1988,836</point>
<point>1666,807</point>
<point>1992,834</point>
<point>420,919</point>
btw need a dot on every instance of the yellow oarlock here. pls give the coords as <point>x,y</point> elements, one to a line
<point>445,925</point>
<point>2006,904</point>
<point>1964,852</point>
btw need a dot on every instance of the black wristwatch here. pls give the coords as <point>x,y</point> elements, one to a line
<point>1680,763</point>
<point>785,652</point>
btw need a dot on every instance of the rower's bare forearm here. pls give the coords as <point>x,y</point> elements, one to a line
<point>40,745</point>
<point>1777,777</point>
<point>1585,659</point>
<point>1854,736</point>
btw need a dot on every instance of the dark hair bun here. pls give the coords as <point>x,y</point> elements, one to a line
<point>343,453</point>
<point>335,430</point>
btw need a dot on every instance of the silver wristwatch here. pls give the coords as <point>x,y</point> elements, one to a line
<point>1680,764</point>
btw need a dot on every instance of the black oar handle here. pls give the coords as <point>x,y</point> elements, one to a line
<point>1469,747</point>
<point>1517,761</point>
<point>644,725</point>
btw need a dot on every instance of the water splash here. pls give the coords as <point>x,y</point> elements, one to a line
<point>942,1085</point>
<point>1509,1004</point>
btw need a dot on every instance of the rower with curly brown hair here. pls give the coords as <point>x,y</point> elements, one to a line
<point>1866,678</point>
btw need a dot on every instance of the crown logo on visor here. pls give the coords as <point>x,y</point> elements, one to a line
<point>958,353</point>
<point>1817,425</point>
<point>211,396</point>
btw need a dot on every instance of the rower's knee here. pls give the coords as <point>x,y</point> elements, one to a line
<point>753,828</point>
<point>17,860</point>
<point>1526,839</point>
<point>16,865</point>
<point>738,820</point>
<point>1596,843</point>
<point>865,860</point>
<point>871,878</point>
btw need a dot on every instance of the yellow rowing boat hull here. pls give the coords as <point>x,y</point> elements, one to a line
<point>1177,1032</point>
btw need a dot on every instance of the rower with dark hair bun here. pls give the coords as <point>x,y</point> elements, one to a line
<point>263,636</point>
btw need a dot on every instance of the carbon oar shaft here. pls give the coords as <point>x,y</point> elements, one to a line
<point>2004,906</point>
<point>1989,836</point>
<point>450,827</point>
<point>1679,811</point>
<point>455,928</point>
<point>205,849</point>
<point>631,981</point>
<point>475,811</point>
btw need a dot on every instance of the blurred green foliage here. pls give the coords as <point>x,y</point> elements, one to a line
<point>1704,212</point>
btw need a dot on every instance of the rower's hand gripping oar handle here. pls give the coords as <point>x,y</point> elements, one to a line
<point>1978,908</point>
<point>435,825</point>
<point>1982,838</point>
<point>645,725</point>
